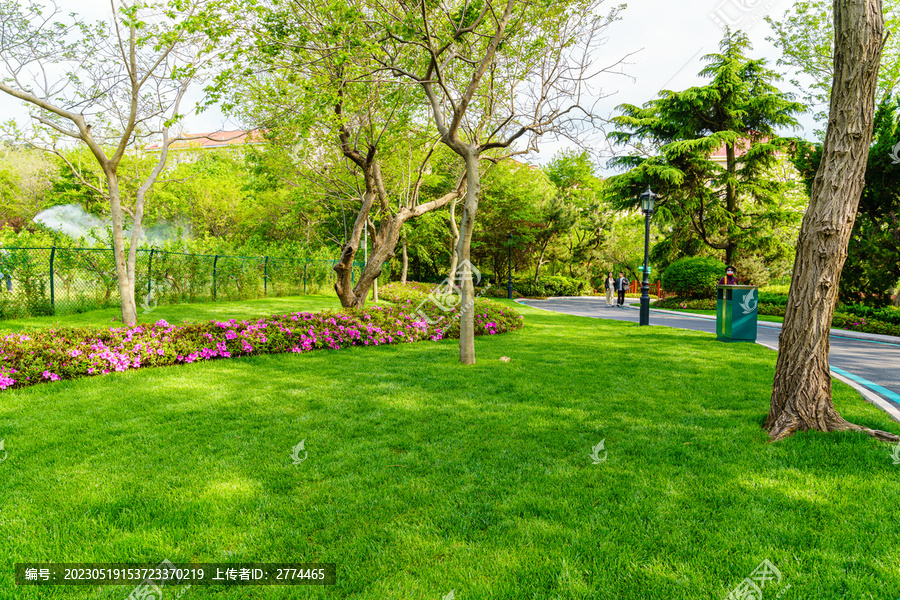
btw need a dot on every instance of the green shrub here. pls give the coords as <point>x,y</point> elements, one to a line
<point>857,323</point>
<point>887,314</point>
<point>551,285</point>
<point>693,277</point>
<point>500,292</point>
<point>776,288</point>
<point>692,304</point>
<point>770,298</point>
<point>763,308</point>
<point>752,270</point>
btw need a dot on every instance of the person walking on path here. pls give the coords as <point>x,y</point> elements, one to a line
<point>622,284</point>
<point>610,284</point>
<point>729,278</point>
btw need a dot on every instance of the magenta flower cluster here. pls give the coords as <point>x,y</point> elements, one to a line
<point>54,354</point>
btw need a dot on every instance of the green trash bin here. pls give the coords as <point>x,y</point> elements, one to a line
<point>736,313</point>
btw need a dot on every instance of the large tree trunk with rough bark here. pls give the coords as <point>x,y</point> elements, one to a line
<point>801,394</point>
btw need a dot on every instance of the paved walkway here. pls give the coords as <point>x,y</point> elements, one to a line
<point>868,362</point>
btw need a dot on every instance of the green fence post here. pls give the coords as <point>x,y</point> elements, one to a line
<point>266,277</point>
<point>215,262</point>
<point>150,275</point>
<point>52,291</point>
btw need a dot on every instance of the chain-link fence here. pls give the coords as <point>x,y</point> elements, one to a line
<point>48,281</point>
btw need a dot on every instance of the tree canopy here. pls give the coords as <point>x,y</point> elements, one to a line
<point>728,204</point>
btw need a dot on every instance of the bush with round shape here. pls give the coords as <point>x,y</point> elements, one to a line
<point>693,277</point>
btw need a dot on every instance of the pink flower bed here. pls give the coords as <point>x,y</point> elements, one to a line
<point>54,354</point>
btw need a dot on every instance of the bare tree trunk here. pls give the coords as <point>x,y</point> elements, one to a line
<point>126,284</point>
<point>384,242</point>
<point>801,393</point>
<point>463,249</point>
<point>343,287</point>
<point>405,263</point>
<point>454,250</point>
<point>540,263</point>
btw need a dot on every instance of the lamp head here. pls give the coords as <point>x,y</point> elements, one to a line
<point>648,199</point>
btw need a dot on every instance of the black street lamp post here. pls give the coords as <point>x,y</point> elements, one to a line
<point>509,280</point>
<point>647,200</point>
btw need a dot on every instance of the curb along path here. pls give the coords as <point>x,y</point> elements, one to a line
<point>868,362</point>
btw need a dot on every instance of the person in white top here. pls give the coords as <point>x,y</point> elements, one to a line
<point>610,284</point>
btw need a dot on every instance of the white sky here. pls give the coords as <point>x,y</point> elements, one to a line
<point>671,35</point>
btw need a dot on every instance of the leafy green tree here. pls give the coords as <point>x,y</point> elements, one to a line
<point>623,248</point>
<point>428,238</point>
<point>108,86</point>
<point>872,270</point>
<point>514,200</point>
<point>312,79</point>
<point>25,181</point>
<point>581,193</point>
<point>210,192</point>
<point>728,206</point>
<point>805,36</point>
<point>495,75</point>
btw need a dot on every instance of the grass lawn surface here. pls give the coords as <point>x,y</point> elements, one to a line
<point>424,476</point>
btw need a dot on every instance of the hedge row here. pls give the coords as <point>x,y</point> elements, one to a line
<point>546,286</point>
<point>888,314</point>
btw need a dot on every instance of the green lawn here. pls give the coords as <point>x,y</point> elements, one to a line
<point>176,313</point>
<point>424,476</point>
